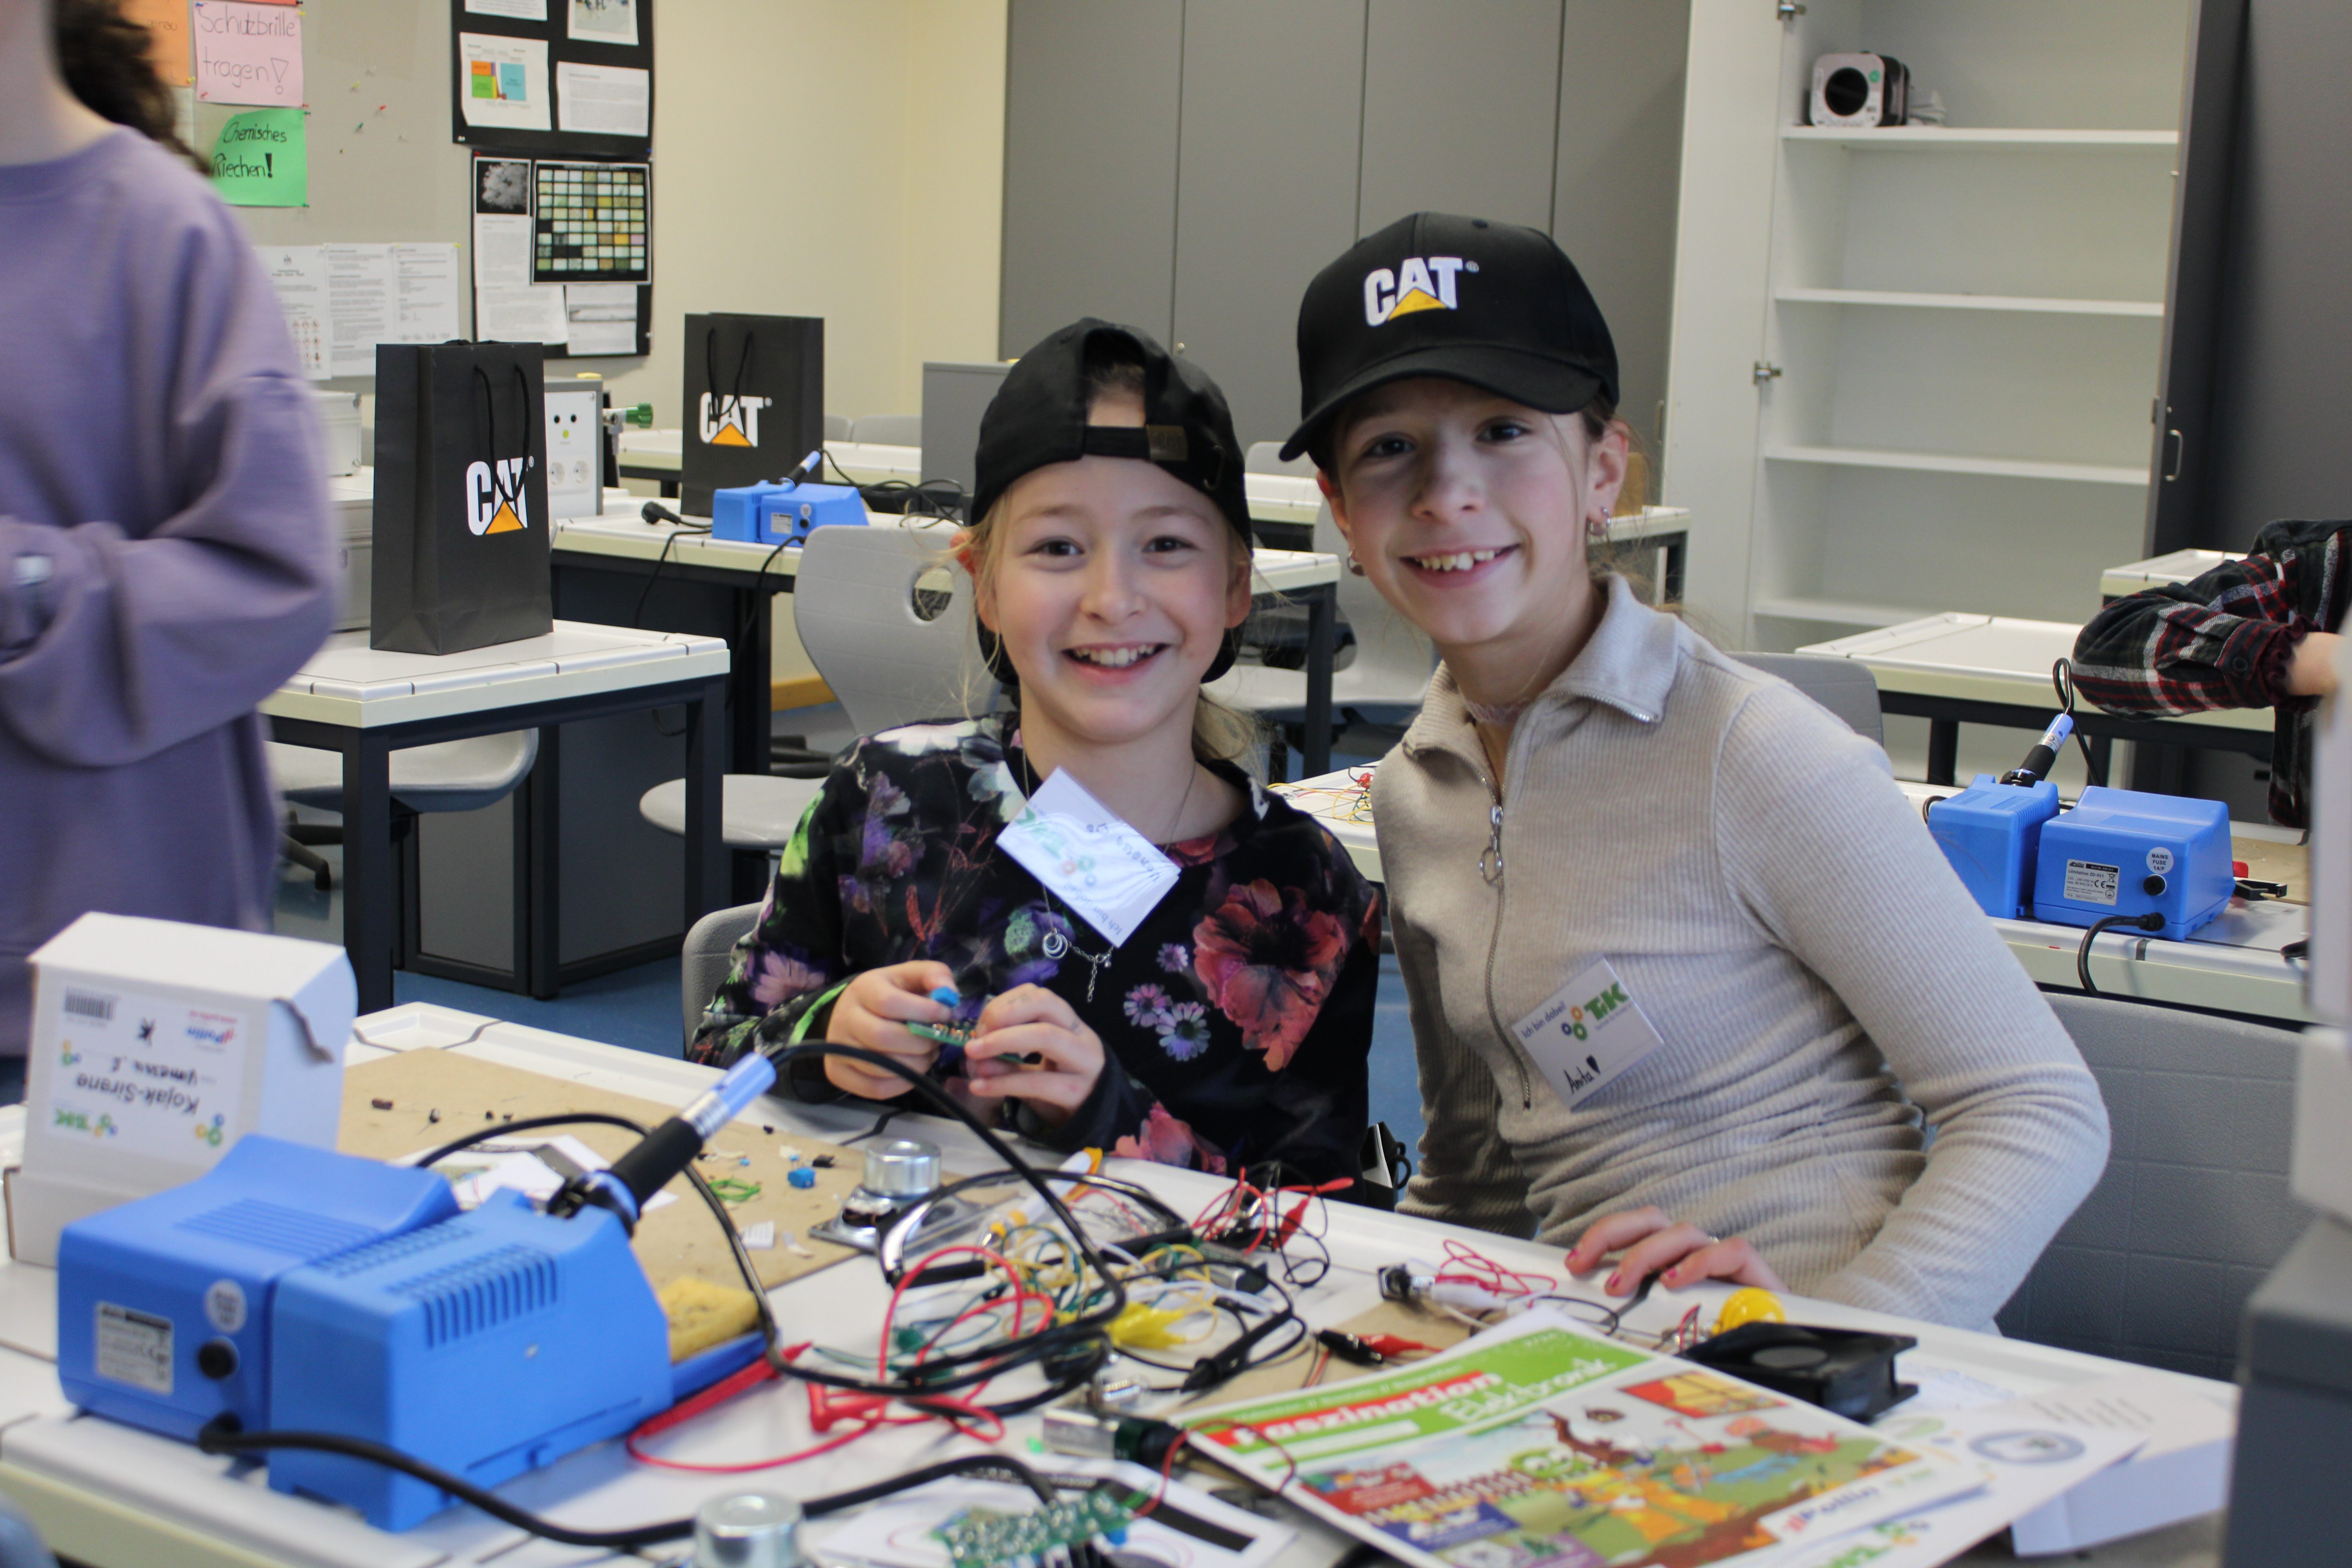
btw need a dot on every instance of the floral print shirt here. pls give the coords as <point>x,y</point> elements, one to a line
<point>1235,1021</point>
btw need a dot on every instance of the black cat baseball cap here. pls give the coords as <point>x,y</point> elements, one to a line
<point>1039,416</point>
<point>1494,304</point>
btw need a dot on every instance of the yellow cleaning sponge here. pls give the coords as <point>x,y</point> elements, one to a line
<point>702,1314</point>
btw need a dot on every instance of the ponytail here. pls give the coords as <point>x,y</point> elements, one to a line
<point>103,58</point>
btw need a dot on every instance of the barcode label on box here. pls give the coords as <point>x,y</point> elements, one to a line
<point>83,1005</point>
<point>2088,882</point>
<point>135,1348</point>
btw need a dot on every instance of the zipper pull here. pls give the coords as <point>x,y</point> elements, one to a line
<point>1490,864</point>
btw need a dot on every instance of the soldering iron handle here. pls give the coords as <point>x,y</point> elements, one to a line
<point>670,1148</point>
<point>2038,761</point>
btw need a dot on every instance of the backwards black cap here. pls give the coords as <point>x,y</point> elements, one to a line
<point>1038,416</point>
<point>1492,304</point>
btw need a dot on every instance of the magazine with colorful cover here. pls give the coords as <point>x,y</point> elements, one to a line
<point>1539,1444</point>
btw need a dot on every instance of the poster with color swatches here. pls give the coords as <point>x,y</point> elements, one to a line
<point>592,222</point>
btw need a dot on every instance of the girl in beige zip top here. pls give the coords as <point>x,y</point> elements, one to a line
<point>1689,982</point>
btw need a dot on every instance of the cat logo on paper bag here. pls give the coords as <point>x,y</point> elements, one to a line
<point>1418,283</point>
<point>728,421</point>
<point>496,506</point>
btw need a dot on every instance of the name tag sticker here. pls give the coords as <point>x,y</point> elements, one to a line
<point>1586,1033</point>
<point>1087,857</point>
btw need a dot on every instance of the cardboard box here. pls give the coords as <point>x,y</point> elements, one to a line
<point>155,1046</point>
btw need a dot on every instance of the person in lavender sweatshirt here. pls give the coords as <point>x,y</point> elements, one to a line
<point>165,554</point>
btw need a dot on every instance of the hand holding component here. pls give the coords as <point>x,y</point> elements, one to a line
<point>874,1011</point>
<point>1652,1242</point>
<point>1027,1021</point>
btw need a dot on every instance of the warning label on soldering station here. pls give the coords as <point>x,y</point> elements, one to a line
<point>134,1347</point>
<point>2088,882</point>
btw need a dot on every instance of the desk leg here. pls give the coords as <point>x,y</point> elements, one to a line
<point>1943,750</point>
<point>750,672</point>
<point>1322,638</point>
<point>706,856</point>
<point>368,869</point>
<point>1670,586</point>
<point>538,871</point>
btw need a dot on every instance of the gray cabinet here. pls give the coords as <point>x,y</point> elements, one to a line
<point>1189,164</point>
<point>1090,129</point>
<point>1461,108</point>
<point>1267,190</point>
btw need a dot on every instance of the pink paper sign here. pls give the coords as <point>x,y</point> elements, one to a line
<point>247,53</point>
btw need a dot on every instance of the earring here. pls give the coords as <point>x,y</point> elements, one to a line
<point>1354,566</point>
<point>1596,528</point>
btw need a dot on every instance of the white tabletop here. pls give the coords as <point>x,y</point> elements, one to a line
<point>2161,571</point>
<point>347,682</point>
<point>136,1482</point>
<point>1988,658</point>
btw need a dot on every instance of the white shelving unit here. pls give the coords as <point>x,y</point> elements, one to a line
<point>1914,368</point>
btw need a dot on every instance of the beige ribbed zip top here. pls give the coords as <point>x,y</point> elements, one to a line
<point>1820,980</point>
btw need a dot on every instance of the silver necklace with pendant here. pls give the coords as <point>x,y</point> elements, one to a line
<point>1055,946</point>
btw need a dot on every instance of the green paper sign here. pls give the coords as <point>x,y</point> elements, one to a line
<point>262,159</point>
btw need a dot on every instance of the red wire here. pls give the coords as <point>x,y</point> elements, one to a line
<point>1478,1269</point>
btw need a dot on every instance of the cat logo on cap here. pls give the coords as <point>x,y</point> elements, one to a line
<point>496,506</point>
<point>1419,283</point>
<point>729,421</point>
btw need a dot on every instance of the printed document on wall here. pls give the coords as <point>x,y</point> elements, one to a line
<point>614,100</point>
<point>502,82</point>
<point>247,53</point>
<point>298,273</point>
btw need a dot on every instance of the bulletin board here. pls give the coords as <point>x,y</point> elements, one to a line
<point>554,79</point>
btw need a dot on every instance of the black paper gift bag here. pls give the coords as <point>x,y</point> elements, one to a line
<point>460,497</point>
<point>754,401</point>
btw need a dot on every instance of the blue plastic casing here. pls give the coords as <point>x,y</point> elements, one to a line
<point>144,1289</point>
<point>2120,852</point>
<point>488,1345</point>
<point>1990,832</point>
<point>781,513</point>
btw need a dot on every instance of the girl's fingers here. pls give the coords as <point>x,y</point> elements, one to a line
<point>1024,1005</point>
<point>1064,1090</point>
<point>1735,1259</point>
<point>1606,1234</point>
<point>1652,1253</point>
<point>1052,1041</point>
<point>903,993</point>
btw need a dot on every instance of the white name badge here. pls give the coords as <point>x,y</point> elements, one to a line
<point>1088,857</point>
<point>1586,1033</point>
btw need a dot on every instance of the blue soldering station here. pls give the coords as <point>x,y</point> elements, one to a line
<point>2154,862</point>
<point>297,1296</point>
<point>785,510</point>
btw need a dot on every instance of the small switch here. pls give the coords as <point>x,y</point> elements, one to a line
<point>2153,887</point>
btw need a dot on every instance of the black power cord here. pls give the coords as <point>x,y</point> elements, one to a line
<point>2150,921</point>
<point>217,1439</point>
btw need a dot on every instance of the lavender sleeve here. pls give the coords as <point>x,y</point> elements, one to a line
<point>119,641</point>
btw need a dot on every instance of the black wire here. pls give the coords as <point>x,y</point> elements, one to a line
<point>637,617</point>
<point>2111,923</point>
<point>218,1440</point>
<point>2061,676</point>
<point>771,1336</point>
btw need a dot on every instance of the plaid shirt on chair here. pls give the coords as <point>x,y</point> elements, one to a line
<point>2225,640</point>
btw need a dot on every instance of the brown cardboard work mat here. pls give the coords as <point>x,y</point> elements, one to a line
<point>677,1239</point>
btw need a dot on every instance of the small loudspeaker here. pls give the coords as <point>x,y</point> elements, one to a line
<point>1855,92</point>
<point>1844,1371</point>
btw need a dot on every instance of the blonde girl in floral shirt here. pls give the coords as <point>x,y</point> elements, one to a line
<point>1230,1029</point>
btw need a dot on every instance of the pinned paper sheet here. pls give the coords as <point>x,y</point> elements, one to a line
<point>247,53</point>
<point>502,82</point>
<point>298,273</point>
<point>604,21</point>
<point>614,100</point>
<point>260,160</point>
<point>166,22</point>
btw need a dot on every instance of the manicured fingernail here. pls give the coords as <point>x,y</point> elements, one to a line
<point>1615,1280</point>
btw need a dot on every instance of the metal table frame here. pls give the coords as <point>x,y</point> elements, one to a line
<point>369,873</point>
<point>1945,715</point>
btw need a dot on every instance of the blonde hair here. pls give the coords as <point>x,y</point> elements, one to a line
<point>1218,733</point>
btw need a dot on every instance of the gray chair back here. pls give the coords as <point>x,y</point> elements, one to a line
<point>859,616</point>
<point>20,1544</point>
<point>704,961</point>
<point>889,430</point>
<point>2194,1209</point>
<point>1844,686</point>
